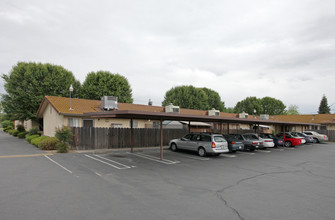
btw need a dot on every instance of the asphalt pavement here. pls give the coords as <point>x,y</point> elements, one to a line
<point>281,183</point>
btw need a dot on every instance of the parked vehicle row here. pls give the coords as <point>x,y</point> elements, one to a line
<point>208,143</point>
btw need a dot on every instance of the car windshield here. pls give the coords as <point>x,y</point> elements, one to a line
<point>219,139</point>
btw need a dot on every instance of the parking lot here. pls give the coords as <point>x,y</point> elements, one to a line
<point>276,183</point>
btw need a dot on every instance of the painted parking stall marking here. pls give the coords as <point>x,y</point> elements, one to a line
<point>242,152</point>
<point>190,156</point>
<point>58,164</point>
<point>227,155</point>
<point>153,158</point>
<point>264,151</point>
<point>108,162</point>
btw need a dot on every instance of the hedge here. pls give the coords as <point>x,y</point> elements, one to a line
<point>22,134</point>
<point>37,140</point>
<point>49,143</point>
<point>15,133</point>
<point>28,139</point>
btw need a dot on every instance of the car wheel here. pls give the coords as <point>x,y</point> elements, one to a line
<point>201,152</point>
<point>252,149</point>
<point>174,147</point>
<point>288,144</point>
<point>317,140</point>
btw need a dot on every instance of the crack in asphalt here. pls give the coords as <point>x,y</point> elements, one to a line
<point>221,191</point>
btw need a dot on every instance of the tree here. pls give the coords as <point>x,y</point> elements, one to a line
<point>214,99</point>
<point>248,105</point>
<point>266,105</point>
<point>28,83</point>
<point>187,97</point>
<point>104,83</point>
<point>324,108</point>
<point>272,106</point>
<point>292,110</point>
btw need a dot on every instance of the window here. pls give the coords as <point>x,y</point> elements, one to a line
<point>87,123</point>
<point>206,138</point>
<point>135,124</point>
<point>116,125</point>
<point>73,122</point>
<point>323,127</point>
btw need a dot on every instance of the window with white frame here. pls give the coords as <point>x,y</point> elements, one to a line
<point>73,122</point>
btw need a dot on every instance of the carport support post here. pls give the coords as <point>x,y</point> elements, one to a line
<point>161,127</point>
<point>220,127</point>
<point>131,136</point>
<point>228,128</point>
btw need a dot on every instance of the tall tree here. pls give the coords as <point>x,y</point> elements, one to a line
<point>272,106</point>
<point>104,83</point>
<point>248,105</point>
<point>324,108</point>
<point>292,110</point>
<point>214,99</point>
<point>187,97</point>
<point>27,84</point>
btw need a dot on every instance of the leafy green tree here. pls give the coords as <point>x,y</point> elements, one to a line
<point>104,83</point>
<point>266,105</point>
<point>248,105</point>
<point>27,84</point>
<point>324,108</point>
<point>292,110</point>
<point>272,106</point>
<point>187,97</point>
<point>214,99</point>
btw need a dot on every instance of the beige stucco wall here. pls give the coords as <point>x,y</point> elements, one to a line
<point>51,120</point>
<point>124,123</point>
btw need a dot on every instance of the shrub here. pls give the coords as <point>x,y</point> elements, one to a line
<point>37,140</point>
<point>20,128</point>
<point>7,123</point>
<point>15,133</point>
<point>33,131</point>
<point>8,128</point>
<point>62,147</point>
<point>22,134</point>
<point>63,134</point>
<point>48,143</point>
<point>31,137</point>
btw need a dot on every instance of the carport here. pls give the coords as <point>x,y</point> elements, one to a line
<point>162,116</point>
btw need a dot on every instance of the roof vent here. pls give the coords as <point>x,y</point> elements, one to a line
<point>243,115</point>
<point>214,112</point>
<point>172,109</point>
<point>264,117</point>
<point>109,103</point>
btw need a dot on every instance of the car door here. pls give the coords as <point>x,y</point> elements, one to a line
<point>185,141</point>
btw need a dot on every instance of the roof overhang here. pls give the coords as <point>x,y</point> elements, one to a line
<point>133,114</point>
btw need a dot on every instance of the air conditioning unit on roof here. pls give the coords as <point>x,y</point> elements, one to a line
<point>109,103</point>
<point>214,112</point>
<point>172,109</point>
<point>243,115</point>
<point>264,116</point>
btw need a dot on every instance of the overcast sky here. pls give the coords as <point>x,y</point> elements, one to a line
<point>283,49</point>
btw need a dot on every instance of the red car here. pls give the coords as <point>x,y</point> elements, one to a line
<point>289,140</point>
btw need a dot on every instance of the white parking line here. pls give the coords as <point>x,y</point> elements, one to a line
<point>242,152</point>
<point>264,151</point>
<point>227,155</point>
<point>58,164</point>
<point>104,158</point>
<point>290,148</point>
<point>278,149</point>
<point>191,157</point>
<point>101,161</point>
<point>156,159</point>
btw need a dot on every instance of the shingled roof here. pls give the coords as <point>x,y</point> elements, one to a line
<point>316,118</point>
<point>81,106</point>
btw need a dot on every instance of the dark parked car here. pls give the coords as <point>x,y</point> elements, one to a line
<point>278,141</point>
<point>234,144</point>
<point>250,142</point>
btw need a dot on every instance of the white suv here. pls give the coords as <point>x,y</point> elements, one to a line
<point>318,137</point>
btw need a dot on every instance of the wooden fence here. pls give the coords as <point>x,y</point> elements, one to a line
<point>109,138</point>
